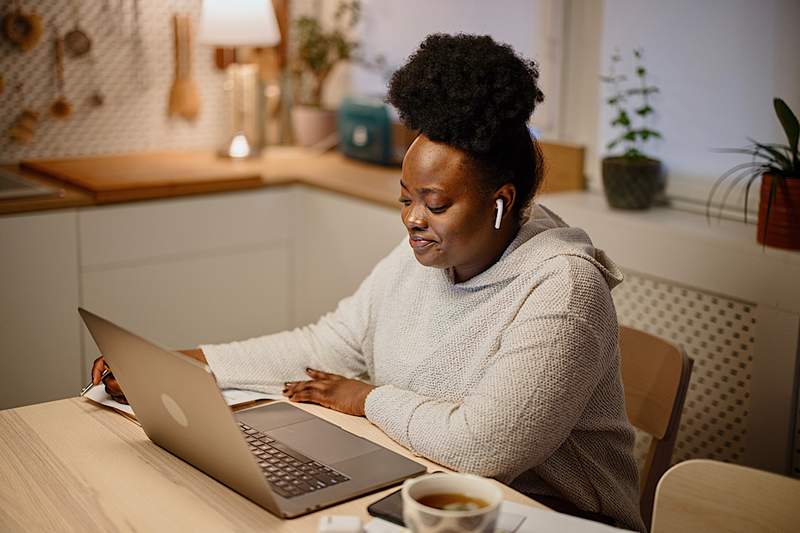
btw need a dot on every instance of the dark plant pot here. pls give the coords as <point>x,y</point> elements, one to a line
<point>783,230</point>
<point>632,183</point>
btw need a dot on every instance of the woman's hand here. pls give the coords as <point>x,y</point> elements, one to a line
<point>331,391</point>
<point>112,385</point>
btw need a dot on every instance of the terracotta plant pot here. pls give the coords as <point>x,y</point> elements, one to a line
<point>632,183</point>
<point>312,124</point>
<point>783,230</point>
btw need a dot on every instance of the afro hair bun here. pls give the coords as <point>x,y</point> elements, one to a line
<point>467,91</point>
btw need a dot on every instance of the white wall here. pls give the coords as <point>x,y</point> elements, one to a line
<point>718,64</point>
<point>395,30</point>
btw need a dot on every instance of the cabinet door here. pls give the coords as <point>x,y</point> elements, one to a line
<point>189,271</point>
<point>338,241</point>
<point>151,231</point>
<point>39,323</point>
<point>186,302</point>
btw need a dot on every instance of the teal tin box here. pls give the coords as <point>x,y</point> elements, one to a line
<point>369,131</point>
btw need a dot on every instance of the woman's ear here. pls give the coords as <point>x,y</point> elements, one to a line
<point>508,194</point>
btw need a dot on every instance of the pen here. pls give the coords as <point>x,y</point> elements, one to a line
<point>106,372</point>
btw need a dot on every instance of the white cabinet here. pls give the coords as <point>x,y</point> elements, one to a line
<point>181,272</point>
<point>338,240</point>
<point>39,323</point>
<point>189,271</point>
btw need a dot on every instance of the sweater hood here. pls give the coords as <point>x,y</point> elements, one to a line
<point>543,237</point>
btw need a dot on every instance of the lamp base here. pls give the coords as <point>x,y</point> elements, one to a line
<point>239,147</point>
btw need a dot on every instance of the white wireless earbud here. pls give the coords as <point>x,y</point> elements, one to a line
<point>499,216</point>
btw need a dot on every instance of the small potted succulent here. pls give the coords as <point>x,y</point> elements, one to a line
<point>318,51</point>
<point>778,167</point>
<point>631,179</point>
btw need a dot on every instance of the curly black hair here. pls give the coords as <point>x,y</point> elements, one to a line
<point>474,94</point>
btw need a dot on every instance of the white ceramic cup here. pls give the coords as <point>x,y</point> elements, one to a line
<point>423,519</point>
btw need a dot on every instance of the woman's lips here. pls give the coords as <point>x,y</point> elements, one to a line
<point>418,243</point>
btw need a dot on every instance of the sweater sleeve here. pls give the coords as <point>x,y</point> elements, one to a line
<point>524,407</point>
<point>333,344</point>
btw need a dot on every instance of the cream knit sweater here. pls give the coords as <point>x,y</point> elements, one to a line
<point>512,374</point>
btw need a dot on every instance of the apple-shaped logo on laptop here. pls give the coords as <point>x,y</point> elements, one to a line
<point>174,410</point>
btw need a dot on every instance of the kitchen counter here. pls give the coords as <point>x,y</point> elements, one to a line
<point>66,197</point>
<point>279,166</point>
<point>148,176</point>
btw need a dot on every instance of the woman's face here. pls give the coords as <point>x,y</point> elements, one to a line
<point>449,217</point>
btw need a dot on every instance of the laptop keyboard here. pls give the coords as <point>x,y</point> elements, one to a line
<point>289,472</point>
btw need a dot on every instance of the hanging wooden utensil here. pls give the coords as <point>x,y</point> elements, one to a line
<point>97,98</point>
<point>184,98</point>
<point>77,41</point>
<point>23,29</point>
<point>61,107</point>
<point>23,128</point>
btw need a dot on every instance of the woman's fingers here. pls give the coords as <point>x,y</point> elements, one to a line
<point>318,389</point>
<point>97,369</point>
<point>120,399</point>
<point>112,386</point>
<point>319,374</point>
<point>308,395</point>
<point>293,387</point>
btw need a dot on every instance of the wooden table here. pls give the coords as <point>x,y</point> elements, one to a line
<point>70,465</point>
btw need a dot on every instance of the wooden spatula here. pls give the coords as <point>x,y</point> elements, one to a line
<point>184,98</point>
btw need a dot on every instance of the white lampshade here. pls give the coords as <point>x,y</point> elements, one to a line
<point>231,23</point>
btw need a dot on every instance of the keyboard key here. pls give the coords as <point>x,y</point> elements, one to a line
<point>289,472</point>
<point>288,451</point>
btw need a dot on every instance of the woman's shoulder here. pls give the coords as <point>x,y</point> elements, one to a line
<point>571,286</point>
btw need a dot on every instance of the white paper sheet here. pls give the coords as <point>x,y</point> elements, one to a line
<point>232,397</point>
<point>518,518</point>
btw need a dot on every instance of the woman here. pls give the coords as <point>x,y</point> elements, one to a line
<point>502,359</point>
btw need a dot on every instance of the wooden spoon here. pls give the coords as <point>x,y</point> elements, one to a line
<point>60,108</point>
<point>184,98</point>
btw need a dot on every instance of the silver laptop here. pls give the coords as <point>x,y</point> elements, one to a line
<point>281,457</point>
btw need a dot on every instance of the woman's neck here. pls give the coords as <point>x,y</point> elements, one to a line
<point>505,237</point>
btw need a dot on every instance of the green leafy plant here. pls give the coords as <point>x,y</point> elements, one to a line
<point>319,50</point>
<point>633,107</point>
<point>781,161</point>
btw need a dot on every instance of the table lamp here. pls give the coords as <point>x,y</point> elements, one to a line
<point>233,23</point>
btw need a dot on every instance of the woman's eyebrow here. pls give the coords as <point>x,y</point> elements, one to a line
<point>423,190</point>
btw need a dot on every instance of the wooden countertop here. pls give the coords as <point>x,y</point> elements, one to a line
<point>71,465</point>
<point>68,195</point>
<point>279,166</point>
<point>148,176</point>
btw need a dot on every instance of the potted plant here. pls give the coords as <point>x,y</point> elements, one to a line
<point>778,167</point>
<point>631,179</point>
<point>318,52</point>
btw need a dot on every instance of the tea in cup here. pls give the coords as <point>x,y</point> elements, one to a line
<point>436,503</point>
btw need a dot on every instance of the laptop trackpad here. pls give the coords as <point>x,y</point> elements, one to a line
<point>322,441</point>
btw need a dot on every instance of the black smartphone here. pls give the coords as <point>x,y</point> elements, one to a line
<point>390,507</point>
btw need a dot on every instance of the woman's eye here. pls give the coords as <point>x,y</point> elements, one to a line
<point>405,201</point>
<point>437,209</point>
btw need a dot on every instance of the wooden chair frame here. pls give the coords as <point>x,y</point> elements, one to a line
<point>655,375</point>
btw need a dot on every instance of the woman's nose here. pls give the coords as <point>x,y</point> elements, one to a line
<point>414,218</point>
